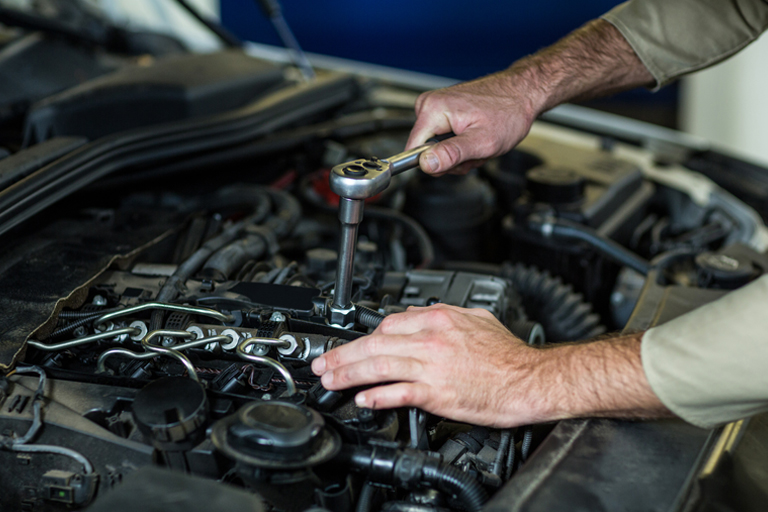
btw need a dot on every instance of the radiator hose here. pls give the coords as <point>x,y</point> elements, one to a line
<point>408,469</point>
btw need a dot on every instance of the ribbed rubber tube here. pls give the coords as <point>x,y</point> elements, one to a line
<point>365,500</point>
<point>453,481</point>
<point>562,312</point>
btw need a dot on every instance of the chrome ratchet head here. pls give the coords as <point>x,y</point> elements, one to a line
<point>361,179</point>
<point>364,178</point>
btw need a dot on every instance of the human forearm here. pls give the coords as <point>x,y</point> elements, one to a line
<point>602,378</point>
<point>594,60</point>
<point>493,114</point>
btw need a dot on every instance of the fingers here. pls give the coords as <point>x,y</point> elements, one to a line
<point>373,370</point>
<point>427,125</point>
<point>360,349</point>
<point>471,144</point>
<point>402,394</point>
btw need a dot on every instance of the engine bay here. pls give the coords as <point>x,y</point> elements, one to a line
<point>190,348</point>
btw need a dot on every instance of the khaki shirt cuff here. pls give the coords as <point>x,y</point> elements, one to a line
<point>710,366</point>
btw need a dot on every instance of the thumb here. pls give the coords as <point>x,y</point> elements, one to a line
<point>472,144</point>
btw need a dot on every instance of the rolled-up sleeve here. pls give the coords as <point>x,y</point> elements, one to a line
<point>675,37</point>
<point>710,366</point>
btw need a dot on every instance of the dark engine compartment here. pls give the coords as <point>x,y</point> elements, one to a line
<point>160,319</point>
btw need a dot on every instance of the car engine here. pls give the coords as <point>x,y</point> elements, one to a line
<point>160,315</point>
<point>190,349</point>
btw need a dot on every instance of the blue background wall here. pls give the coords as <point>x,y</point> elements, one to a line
<point>448,38</point>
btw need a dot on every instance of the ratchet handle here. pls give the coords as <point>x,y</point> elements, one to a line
<point>440,138</point>
<point>410,159</point>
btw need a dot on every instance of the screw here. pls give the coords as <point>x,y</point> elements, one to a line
<point>98,300</point>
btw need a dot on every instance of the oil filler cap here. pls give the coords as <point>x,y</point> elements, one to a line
<point>276,435</point>
<point>280,429</point>
<point>555,185</point>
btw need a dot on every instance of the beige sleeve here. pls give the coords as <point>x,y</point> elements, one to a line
<point>710,366</point>
<point>675,37</point>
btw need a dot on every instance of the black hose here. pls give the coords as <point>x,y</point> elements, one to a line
<point>501,454</point>
<point>561,228</point>
<point>510,465</point>
<point>423,241</point>
<point>367,316</point>
<point>453,481</point>
<point>426,249</point>
<point>525,447</point>
<point>365,500</point>
<point>175,283</point>
<point>562,312</point>
<point>224,262</point>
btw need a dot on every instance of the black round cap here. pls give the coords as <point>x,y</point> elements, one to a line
<point>279,430</point>
<point>555,185</point>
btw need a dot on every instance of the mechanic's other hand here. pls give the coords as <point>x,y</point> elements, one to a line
<point>489,116</point>
<point>453,362</point>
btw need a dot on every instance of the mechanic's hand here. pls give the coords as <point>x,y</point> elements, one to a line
<point>453,362</point>
<point>489,116</point>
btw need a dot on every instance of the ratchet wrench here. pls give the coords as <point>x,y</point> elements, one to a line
<point>355,182</point>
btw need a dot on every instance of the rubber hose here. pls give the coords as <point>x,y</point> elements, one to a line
<point>453,481</point>
<point>224,262</point>
<point>510,462</point>
<point>525,447</point>
<point>367,316</point>
<point>426,248</point>
<point>424,242</point>
<point>562,312</point>
<point>365,500</point>
<point>561,228</point>
<point>170,289</point>
<point>498,468</point>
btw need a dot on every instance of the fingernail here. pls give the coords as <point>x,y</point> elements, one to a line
<point>432,162</point>
<point>318,366</point>
<point>360,400</point>
<point>327,378</point>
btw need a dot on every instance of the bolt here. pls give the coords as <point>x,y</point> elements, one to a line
<point>355,170</point>
<point>277,317</point>
<point>98,300</point>
<point>80,331</point>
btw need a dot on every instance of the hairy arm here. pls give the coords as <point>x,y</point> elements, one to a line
<point>493,114</point>
<point>463,364</point>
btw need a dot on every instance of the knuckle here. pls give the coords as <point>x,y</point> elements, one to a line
<point>387,325</point>
<point>381,366</point>
<point>371,345</point>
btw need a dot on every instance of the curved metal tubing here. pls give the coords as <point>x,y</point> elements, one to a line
<point>266,361</point>
<point>195,310</point>
<point>131,331</point>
